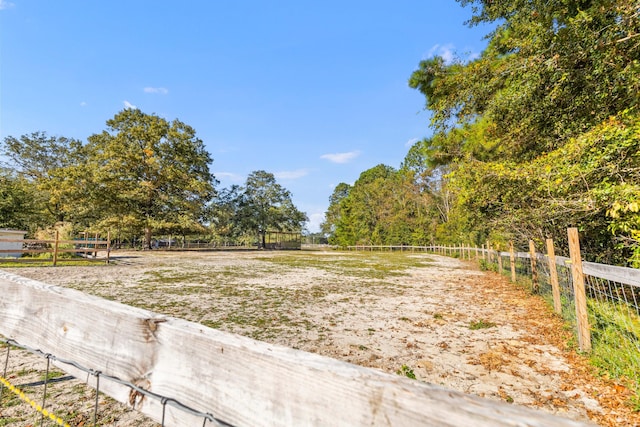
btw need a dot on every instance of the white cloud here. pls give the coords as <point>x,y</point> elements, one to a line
<point>410,143</point>
<point>447,52</point>
<point>4,4</point>
<point>83,104</point>
<point>229,176</point>
<point>127,104</point>
<point>158,90</point>
<point>341,157</point>
<point>291,174</point>
<point>315,219</point>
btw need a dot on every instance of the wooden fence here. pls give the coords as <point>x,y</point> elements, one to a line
<point>87,245</point>
<point>240,381</point>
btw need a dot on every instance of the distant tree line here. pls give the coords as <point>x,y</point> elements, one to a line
<point>538,133</point>
<point>141,176</point>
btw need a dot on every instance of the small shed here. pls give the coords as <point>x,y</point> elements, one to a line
<point>283,240</point>
<point>11,240</point>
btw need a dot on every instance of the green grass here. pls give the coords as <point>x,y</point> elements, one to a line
<point>615,340</point>
<point>368,265</point>
<point>481,324</point>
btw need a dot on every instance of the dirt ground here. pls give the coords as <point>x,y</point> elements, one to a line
<point>438,318</point>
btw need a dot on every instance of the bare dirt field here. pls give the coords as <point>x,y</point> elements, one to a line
<point>436,318</point>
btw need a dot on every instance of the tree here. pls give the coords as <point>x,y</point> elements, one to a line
<point>150,172</point>
<point>55,167</point>
<point>384,206</point>
<point>223,213</point>
<point>265,205</point>
<point>20,204</point>
<point>334,211</point>
<point>536,133</point>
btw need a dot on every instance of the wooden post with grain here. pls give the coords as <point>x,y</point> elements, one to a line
<point>108,245</point>
<point>512,261</point>
<point>55,248</point>
<point>241,381</point>
<point>535,286</point>
<point>553,277</point>
<point>584,334</point>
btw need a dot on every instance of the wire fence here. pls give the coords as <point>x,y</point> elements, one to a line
<point>612,303</point>
<point>77,402</point>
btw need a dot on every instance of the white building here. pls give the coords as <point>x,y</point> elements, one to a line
<point>11,240</point>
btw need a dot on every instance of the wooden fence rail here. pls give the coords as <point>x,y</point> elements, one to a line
<point>58,246</point>
<point>237,379</point>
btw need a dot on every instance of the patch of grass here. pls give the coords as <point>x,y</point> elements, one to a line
<point>370,265</point>
<point>438,316</point>
<point>51,375</point>
<point>615,340</point>
<point>481,324</point>
<point>406,371</point>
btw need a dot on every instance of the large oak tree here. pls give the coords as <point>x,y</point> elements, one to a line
<point>150,173</point>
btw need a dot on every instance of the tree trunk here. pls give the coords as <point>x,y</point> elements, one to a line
<point>264,239</point>
<point>147,238</point>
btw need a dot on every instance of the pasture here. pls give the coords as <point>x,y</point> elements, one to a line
<point>432,318</point>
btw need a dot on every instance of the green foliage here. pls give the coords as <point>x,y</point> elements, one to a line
<point>52,171</point>
<point>21,206</point>
<point>150,172</point>
<point>540,132</point>
<point>406,371</point>
<point>383,207</point>
<point>615,337</point>
<point>265,205</point>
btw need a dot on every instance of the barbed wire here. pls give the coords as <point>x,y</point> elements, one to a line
<point>164,400</point>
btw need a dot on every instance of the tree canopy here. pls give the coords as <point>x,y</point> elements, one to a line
<point>264,205</point>
<point>141,176</point>
<point>150,171</point>
<point>537,133</point>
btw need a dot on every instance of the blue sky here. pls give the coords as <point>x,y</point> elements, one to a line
<point>313,92</point>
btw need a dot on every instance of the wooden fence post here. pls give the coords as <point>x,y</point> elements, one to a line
<point>488,251</point>
<point>108,245</point>
<point>535,286</point>
<point>553,276</point>
<point>512,261</point>
<point>584,335</point>
<point>499,261</point>
<point>484,254</point>
<point>55,248</point>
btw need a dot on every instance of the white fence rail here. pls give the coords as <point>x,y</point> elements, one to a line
<point>238,380</point>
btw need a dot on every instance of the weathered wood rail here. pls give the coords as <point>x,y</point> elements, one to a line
<point>59,246</point>
<point>239,380</point>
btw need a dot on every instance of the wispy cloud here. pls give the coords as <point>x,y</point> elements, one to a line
<point>127,104</point>
<point>4,4</point>
<point>83,104</point>
<point>315,219</point>
<point>158,90</point>
<point>341,157</point>
<point>291,174</point>
<point>410,143</point>
<point>229,176</point>
<point>446,51</point>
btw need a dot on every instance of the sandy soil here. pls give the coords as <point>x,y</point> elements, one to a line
<point>438,318</point>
